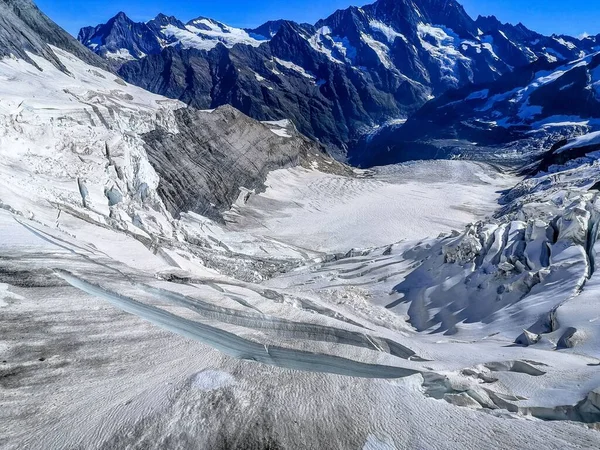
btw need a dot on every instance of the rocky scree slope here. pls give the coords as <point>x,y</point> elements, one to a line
<point>220,156</point>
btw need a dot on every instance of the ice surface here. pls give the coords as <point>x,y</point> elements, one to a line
<point>387,31</point>
<point>581,141</point>
<point>443,49</point>
<point>294,67</point>
<point>330,213</point>
<point>328,303</point>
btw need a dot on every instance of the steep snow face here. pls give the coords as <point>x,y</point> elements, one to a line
<point>296,68</point>
<point>389,32</point>
<point>443,49</point>
<point>218,32</point>
<point>581,141</point>
<point>205,34</point>
<point>80,135</point>
<point>381,50</point>
<point>337,49</point>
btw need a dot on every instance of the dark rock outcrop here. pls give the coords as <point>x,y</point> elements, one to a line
<point>529,109</point>
<point>215,153</point>
<point>24,28</point>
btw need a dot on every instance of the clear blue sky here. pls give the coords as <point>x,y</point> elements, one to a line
<point>546,16</point>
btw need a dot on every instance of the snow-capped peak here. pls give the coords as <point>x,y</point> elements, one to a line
<point>123,39</point>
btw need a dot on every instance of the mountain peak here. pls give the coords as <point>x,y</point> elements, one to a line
<point>289,32</point>
<point>206,23</point>
<point>490,18</point>
<point>121,38</point>
<point>404,15</point>
<point>267,30</point>
<point>162,20</point>
<point>488,23</point>
<point>121,17</point>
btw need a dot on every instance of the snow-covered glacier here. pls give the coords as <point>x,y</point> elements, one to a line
<point>172,278</point>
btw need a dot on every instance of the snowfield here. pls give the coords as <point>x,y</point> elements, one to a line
<point>403,307</point>
<point>329,213</point>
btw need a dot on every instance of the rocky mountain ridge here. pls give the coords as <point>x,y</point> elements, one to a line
<point>515,118</point>
<point>25,30</point>
<point>338,79</point>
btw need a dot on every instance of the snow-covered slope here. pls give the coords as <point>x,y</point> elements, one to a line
<point>505,306</point>
<point>70,288</point>
<point>71,283</point>
<point>25,29</point>
<point>324,300</point>
<point>333,213</point>
<point>78,137</point>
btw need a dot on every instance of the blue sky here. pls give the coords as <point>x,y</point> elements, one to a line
<point>545,16</point>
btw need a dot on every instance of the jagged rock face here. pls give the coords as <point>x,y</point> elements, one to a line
<point>267,30</point>
<point>527,110</point>
<point>328,102</point>
<point>216,153</point>
<point>121,37</point>
<point>24,28</point>
<point>566,151</point>
<point>352,71</point>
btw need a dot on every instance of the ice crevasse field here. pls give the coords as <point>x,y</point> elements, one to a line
<point>380,308</point>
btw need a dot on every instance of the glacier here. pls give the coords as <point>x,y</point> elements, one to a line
<point>173,278</point>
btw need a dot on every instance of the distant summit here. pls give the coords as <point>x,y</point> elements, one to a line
<point>121,39</point>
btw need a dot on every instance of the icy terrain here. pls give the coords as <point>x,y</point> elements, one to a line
<point>326,213</point>
<point>323,312</point>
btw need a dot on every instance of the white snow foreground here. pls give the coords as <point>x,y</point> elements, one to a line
<point>85,127</point>
<point>122,327</point>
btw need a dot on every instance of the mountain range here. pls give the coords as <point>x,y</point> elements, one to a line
<point>339,79</point>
